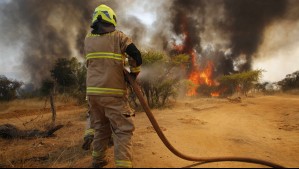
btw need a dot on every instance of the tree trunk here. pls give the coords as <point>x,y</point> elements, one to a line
<point>53,108</point>
<point>46,102</point>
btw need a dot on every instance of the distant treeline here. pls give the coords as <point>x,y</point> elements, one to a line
<point>67,77</point>
<point>163,77</point>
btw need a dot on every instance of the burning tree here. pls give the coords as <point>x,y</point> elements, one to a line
<point>233,31</point>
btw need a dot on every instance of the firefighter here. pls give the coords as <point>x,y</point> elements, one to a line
<point>105,49</point>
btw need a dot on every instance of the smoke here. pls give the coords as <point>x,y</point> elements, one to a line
<point>137,29</point>
<point>247,22</point>
<point>187,21</point>
<point>228,32</point>
<point>278,54</point>
<point>48,30</point>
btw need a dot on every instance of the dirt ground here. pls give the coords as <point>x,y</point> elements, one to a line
<point>262,127</point>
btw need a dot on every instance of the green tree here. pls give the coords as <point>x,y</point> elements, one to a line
<point>8,88</point>
<point>70,78</point>
<point>161,76</point>
<point>80,89</point>
<point>242,82</point>
<point>291,81</point>
<point>261,87</point>
<point>47,87</point>
<point>64,73</point>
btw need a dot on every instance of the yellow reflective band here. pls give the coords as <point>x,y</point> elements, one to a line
<point>89,132</point>
<point>97,90</point>
<point>135,69</point>
<point>93,35</point>
<point>104,92</point>
<point>98,155</point>
<point>104,55</point>
<point>96,35</point>
<point>123,164</point>
<point>107,89</point>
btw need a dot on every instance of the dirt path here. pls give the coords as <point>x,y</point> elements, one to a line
<point>264,127</point>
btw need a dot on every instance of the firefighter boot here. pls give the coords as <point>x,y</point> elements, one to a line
<point>87,142</point>
<point>99,164</point>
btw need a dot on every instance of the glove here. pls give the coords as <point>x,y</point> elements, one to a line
<point>134,75</point>
<point>87,142</point>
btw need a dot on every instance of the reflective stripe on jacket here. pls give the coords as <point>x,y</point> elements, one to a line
<point>105,63</point>
<point>97,90</point>
<point>102,55</point>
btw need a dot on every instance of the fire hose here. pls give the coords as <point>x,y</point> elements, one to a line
<point>163,138</point>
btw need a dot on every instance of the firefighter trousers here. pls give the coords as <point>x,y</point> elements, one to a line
<point>112,116</point>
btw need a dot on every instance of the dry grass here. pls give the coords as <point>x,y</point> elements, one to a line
<point>35,103</point>
<point>61,150</point>
<point>293,92</point>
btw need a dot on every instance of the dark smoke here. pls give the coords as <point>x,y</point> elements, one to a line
<point>187,20</point>
<point>239,22</point>
<point>53,29</point>
<point>136,29</point>
<point>48,30</point>
<point>247,22</point>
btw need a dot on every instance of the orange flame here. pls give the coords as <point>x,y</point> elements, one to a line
<point>178,48</point>
<point>197,76</point>
<point>218,93</point>
<point>200,77</point>
<point>215,94</point>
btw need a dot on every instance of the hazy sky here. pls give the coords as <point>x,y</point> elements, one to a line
<point>278,55</point>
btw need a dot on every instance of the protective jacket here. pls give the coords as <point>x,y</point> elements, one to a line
<point>105,55</point>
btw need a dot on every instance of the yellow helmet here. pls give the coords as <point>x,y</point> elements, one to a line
<point>106,13</point>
